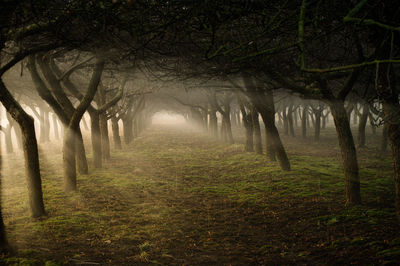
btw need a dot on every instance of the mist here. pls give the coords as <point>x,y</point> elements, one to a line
<point>199,133</point>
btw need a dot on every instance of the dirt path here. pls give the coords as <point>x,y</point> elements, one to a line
<point>177,197</point>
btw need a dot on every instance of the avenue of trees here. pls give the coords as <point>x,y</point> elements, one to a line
<point>249,64</point>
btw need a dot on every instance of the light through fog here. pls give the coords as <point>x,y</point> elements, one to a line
<point>164,118</point>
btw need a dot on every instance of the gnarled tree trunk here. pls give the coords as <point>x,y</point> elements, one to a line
<point>348,152</point>
<point>30,149</point>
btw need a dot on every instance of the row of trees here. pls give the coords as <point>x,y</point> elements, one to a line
<point>329,51</point>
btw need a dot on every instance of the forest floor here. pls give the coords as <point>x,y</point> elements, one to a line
<point>178,197</point>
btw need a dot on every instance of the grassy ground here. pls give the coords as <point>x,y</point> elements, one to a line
<point>177,197</point>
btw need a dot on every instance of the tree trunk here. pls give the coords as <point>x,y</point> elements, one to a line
<point>96,139</point>
<point>257,130</point>
<point>223,130</point>
<point>4,247</point>
<point>105,141</point>
<point>362,124</point>
<point>393,137</point>
<point>348,151</point>
<point>18,135</point>
<point>213,123</point>
<point>69,165</point>
<point>248,125</point>
<point>274,146</point>
<point>30,149</point>
<point>128,130</point>
<point>80,153</point>
<point>115,130</point>
<point>317,126</point>
<point>228,129</point>
<point>304,122</point>
<point>8,134</point>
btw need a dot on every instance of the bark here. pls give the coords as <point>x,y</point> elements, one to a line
<point>115,130</point>
<point>80,153</point>
<point>257,130</point>
<point>30,149</point>
<point>348,152</point>
<point>274,144</point>
<point>18,135</point>
<point>128,130</point>
<point>69,165</point>
<point>393,131</point>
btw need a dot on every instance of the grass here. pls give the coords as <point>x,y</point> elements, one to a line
<point>178,197</point>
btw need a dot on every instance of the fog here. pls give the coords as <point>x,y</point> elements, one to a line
<point>167,118</point>
<point>199,132</point>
